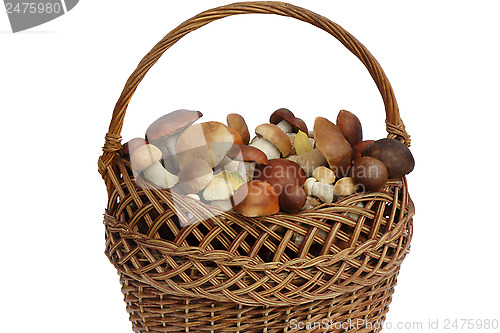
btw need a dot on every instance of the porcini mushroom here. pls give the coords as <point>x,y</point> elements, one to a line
<point>275,136</point>
<point>146,158</point>
<point>331,143</point>
<point>292,199</point>
<point>165,131</point>
<point>249,157</point>
<point>195,176</point>
<point>323,191</point>
<point>350,126</point>
<point>287,122</point>
<point>308,185</point>
<point>344,187</point>
<point>237,123</point>
<point>280,173</point>
<point>256,198</point>
<point>209,141</point>
<point>324,175</point>
<point>370,173</point>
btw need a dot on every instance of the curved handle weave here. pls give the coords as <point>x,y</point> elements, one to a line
<point>395,126</point>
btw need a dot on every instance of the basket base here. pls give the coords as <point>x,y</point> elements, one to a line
<point>153,311</point>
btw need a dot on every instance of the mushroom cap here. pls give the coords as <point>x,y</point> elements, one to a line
<point>283,113</point>
<point>280,173</point>
<point>171,123</point>
<point>292,199</point>
<point>276,136</point>
<point>350,126</point>
<point>131,145</point>
<point>209,141</point>
<point>331,143</point>
<point>218,189</point>
<point>237,123</point>
<point>144,156</point>
<point>247,154</point>
<point>237,138</point>
<point>195,176</point>
<point>256,198</point>
<point>370,172</point>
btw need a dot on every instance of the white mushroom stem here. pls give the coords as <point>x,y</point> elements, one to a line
<point>285,126</point>
<point>309,161</point>
<point>249,170</point>
<point>323,191</point>
<point>308,185</point>
<point>157,174</point>
<point>267,147</point>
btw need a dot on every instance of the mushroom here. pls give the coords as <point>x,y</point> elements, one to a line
<point>287,122</point>
<point>195,176</point>
<point>270,133</point>
<point>219,192</point>
<point>129,147</point>
<point>324,175</point>
<point>256,198</point>
<point>331,143</point>
<point>370,173</point>
<point>292,199</point>
<point>280,173</point>
<point>237,123</point>
<point>323,191</point>
<point>344,187</point>
<point>395,155</point>
<point>209,141</point>
<point>308,185</point>
<point>165,131</point>
<point>350,126</point>
<point>247,158</point>
<point>309,161</point>
<point>158,175</point>
<point>146,158</point>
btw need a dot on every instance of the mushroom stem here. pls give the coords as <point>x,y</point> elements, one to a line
<point>285,126</point>
<point>157,174</point>
<point>267,147</point>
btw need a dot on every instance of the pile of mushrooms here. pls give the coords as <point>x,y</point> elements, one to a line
<point>285,167</point>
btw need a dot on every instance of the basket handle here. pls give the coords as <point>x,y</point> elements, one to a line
<point>394,124</point>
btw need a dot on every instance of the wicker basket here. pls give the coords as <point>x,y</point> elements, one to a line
<point>229,273</point>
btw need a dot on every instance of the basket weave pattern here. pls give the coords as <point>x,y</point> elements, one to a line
<point>229,273</point>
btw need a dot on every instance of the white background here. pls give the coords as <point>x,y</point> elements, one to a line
<point>59,83</point>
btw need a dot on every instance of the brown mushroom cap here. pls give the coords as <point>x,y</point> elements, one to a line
<point>256,198</point>
<point>283,113</point>
<point>292,199</point>
<point>395,155</point>
<point>370,172</point>
<point>276,136</point>
<point>209,141</point>
<point>171,123</point>
<point>281,173</point>
<point>195,176</point>
<point>237,123</point>
<point>331,143</point>
<point>245,153</point>
<point>350,126</point>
